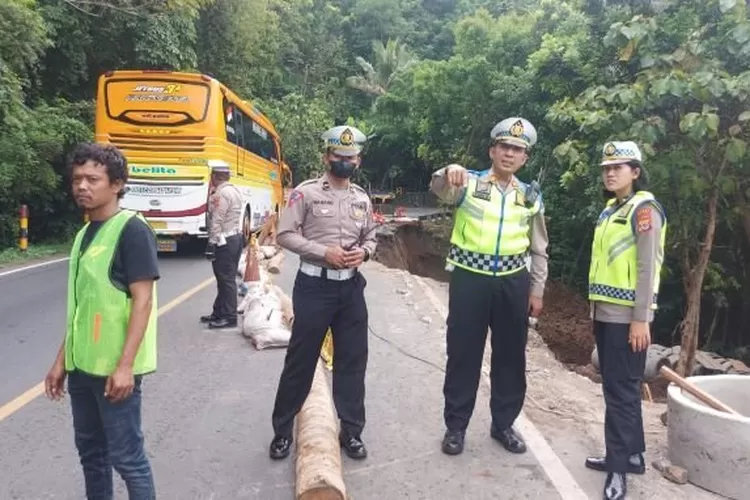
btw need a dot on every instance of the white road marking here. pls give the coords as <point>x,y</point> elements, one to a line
<point>33,266</point>
<point>558,474</point>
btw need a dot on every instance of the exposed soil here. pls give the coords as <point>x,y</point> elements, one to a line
<point>419,249</point>
<point>564,324</point>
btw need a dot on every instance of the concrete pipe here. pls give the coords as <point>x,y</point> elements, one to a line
<point>656,357</point>
<point>712,446</point>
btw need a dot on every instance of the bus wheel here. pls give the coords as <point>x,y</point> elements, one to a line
<point>246,225</point>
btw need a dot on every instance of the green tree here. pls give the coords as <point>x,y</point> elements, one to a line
<point>682,106</point>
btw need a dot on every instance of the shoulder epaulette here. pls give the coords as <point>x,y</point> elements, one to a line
<point>308,182</point>
<point>360,188</point>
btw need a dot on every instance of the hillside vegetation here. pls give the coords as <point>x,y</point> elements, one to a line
<point>428,79</point>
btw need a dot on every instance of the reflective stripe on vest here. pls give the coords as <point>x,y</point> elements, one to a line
<point>614,268</point>
<point>491,230</point>
<point>98,311</point>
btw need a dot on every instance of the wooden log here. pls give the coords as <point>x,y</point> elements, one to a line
<point>274,264</point>
<point>319,472</point>
<point>699,393</point>
<point>268,232</point>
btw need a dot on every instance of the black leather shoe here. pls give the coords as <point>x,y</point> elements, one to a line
<point>280,447</point>
<point>510,440</point>
<point>208,318</point>
<point>453,442</point>
<point>353,446</point>
<point>636,464</point>
<point>616,486</point>
<point>223,323</point>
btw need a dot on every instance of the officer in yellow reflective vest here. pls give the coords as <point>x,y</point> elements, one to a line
<point>626,259</point>
<point>498,264</point>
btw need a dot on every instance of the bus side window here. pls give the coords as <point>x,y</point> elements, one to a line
<point>239,126</point>
<point>231,123</point>
<point>250,137</point>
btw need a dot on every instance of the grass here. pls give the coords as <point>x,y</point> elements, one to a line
<point>41,251</point>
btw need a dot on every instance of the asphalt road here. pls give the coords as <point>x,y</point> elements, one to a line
<point>32,316</point>
<point>207,410</point>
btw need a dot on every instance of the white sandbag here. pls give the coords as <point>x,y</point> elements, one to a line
<point>268,251</point>
<point>263,317</point>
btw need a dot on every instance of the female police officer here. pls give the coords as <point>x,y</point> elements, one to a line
<point>626,259</point>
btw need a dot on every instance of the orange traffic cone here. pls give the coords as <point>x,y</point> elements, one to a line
<point>252,271</point>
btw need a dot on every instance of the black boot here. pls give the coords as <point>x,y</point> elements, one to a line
<point>616,486</point>
<point>223,323</point>
<point>280,447</point>
<point>453,442</point>
<point>636,464</point>
<point>353,446</point>
<point>209,318</point>
<point>510,439</point>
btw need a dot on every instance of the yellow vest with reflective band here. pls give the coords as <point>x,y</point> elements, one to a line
<point>98,311</point>
<point>491,229</point>
<point>614,268</point>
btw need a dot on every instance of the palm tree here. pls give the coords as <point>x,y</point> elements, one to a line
<point>390,59</point>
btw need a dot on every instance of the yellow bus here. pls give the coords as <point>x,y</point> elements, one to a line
<point>173,127</point>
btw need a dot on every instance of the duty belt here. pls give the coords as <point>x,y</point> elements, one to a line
<point>488,263</point>
<point>326,273</point>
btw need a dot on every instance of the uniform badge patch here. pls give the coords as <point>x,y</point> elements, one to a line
<point>358,210</point>
<point>295,197</point>
<point>483,190</point>
<point>520,198</point>
<point>643,219</point>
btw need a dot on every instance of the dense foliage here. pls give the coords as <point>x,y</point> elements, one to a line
<point>427,79</point>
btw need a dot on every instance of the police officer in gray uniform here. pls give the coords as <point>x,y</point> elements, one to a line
<point>328,222</point>
<point>224,246</point>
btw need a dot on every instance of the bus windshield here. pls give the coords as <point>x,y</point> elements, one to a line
<point>157,101</point>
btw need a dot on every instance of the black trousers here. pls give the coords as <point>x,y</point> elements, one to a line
<point>477,302</point>
<point>227,258</point>
<point>319,304</point>
<point>622,374</point>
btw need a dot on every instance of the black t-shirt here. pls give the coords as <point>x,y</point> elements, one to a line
<point>136,256</point>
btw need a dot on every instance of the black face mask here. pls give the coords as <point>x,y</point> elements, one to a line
<point>342,168</point>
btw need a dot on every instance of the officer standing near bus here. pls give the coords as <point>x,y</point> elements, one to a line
<point>499,224</point>
<point>224,246</point>
<point>328,222</point>
<point>626,258</point>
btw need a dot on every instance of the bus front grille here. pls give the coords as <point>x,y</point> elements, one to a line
<point>157,144</point>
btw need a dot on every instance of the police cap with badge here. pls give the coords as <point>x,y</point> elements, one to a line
<point>219,167</point>
<point>344,140</point>
<point>518,131</point>
<point>619,152</point>
<point>616,152</point>
<point>515,131</point>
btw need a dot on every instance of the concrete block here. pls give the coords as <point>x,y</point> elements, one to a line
<point>675,474</point>
<point>712,446</point>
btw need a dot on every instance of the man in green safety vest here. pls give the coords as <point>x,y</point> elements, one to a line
<point>110,340</point>
<point>498,264</point>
